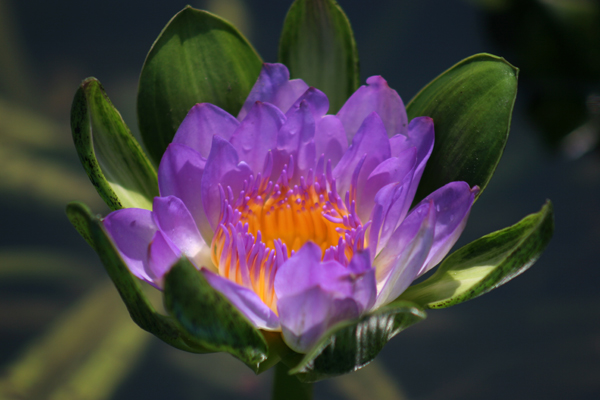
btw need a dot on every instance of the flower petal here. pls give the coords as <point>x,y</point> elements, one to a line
<point>201,123</point>
<point>274,86</point>
<point>394,169</point>
<point>295,139</point>
<point>245,300</point>
<point>370,143</point>
<point>453,204</point>
<point>180,174</point>
<point>421,136</point>
<point>377,97</point>
<point>399,263</point>
<point>317,102</point>
<point>306,316</point>
<point>313,295</point>
<point>162,255</point>
<point>222,168</point>
<point>257,134</point>
<point>132,231</point>
<point>176,222</point>
<point>330,139</point>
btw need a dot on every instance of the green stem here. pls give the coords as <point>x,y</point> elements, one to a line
<point>288,387</point>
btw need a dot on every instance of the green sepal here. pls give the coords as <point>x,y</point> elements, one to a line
<point>471,105</point>
<point>197,58</point>
<point>209,317</point>
<point>350,345</point>
<point>317,45</point>
<point>486,263</point>
<point>110,155</point>
<point>141,310</point>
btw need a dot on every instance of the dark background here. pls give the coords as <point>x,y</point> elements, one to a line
<point>64,334</point>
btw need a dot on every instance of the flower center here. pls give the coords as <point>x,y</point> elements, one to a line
<point>261,227</point>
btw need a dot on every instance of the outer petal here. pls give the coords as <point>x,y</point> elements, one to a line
<point>370,143</point>
<point>180,174</point>
<point>330,139</point>
<point>306,316</point>
<point>314,295</point>
<point>176,222</point>
<point>222,168</point>
<point>453,204</point>
<point>132,231</point>
<point>162,255</point>
<point>420,136</point>
<point>412,242</point>
<point>257,134</point>
<point>274,86</point>
<point>245,300</point>
<point>377,97</point>
<point>201,123</point>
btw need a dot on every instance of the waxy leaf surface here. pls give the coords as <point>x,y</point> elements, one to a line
<point>198,58</point>
<point>110,155</point>
<point>486,263</point>
<point>317,45</point>
<point>209,317</point>
<point>141,310</point>
<point>351,345</point>
<point>471,105</point>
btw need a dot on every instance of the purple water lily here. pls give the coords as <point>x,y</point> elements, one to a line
<point>295,226</point>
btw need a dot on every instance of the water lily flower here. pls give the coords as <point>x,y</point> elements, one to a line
<point>301,219</point>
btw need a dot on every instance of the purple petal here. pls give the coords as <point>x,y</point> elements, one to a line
<point>330,139</point>
<point>377,97</point>
<point>245,300</point>
<point>132,231</point>
<point>176,222</point>
<point>201,123</point>
<point>180,175</point>
<point>313,295</point>
<point>222,168</point>
<point>305,317</point>
<point>409,247</point>
<point>317,101</point>
<point>370,142</point>
<point>394,169</point>
<point>162,255</point>
<point>453,204</point>
<point>420,136</point>
<point>257,134</point>
<point>274,86</point>
<point>296,139</point>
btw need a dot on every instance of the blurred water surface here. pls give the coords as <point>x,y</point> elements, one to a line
<point>64,333</point>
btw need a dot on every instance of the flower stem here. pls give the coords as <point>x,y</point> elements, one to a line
<point>288,387</point>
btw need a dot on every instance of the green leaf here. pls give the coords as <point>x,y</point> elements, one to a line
<point>317,45</point>
<point>350,345</point>
<point>110,155</point>
<point>197,58</point>
<point>141,310</point>
<point>471,105</point>
<point>486,263</point>
<point>209,317</point>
